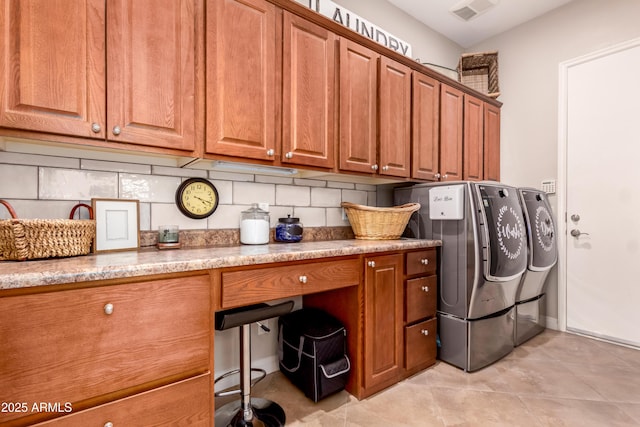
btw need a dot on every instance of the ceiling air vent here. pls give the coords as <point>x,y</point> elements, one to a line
<point>469,9</point>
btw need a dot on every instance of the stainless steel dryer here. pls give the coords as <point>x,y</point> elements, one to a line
<point>483,256</point>
<point>543,255</point>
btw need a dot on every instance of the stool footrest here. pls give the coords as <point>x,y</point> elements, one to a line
<point>254,381</point>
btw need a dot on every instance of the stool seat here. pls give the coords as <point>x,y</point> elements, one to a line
<point>249,314</point>
<point>249,411</point>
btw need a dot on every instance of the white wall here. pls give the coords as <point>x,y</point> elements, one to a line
<point>529,58</point>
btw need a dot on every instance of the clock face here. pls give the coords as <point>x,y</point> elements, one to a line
<point>197,198</point>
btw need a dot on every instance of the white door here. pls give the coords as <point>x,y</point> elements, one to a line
<point>603,195</point>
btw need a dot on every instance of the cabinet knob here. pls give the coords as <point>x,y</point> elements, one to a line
<point>436,175</point>
<point>303,279</point>
<point>289,155</point>
<point>385,168</point>
<point>271,152</point>
<point>374,167</point>
<point>424,332</point>
<point>108,424</point>
<point>425,288</point>
<point>108,308</point>
<point>371,263</point>
<point>95,127</point>
<point>116,130</point>
<point>424,261</point>
<point>445,176</point>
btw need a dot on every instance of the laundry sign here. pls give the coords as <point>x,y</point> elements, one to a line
<point>358,24</point>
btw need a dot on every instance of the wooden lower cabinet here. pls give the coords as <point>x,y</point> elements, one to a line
<point>186,403</point>
<point>383,322</point>
<point>93,345</point>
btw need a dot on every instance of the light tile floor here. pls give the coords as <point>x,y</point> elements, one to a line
<point>554,379</point>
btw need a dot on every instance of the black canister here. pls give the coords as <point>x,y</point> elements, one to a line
<point>288,229</point>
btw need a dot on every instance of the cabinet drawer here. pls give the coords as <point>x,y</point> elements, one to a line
<point>420,344</point>
<point>183,403</point>
<point>421,262</point>
<point>64,347</point>
<point>420,298</point>
<point>263,284</point>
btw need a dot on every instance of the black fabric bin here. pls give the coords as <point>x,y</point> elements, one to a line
<point>313,352</point>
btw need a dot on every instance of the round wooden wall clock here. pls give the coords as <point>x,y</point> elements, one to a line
<point>197,198</point>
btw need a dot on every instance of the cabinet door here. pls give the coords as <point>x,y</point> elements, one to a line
<point>491,142</point>
<point>151,72</point>
<point>358,107</point>
<point>52,66</point>
<point>394,105</point>
<point>426,127</point>
<point>451,119</point>
<point>309,73</point>
<point>473,139</point>
<point>383,318</point>
<point>242,111</point>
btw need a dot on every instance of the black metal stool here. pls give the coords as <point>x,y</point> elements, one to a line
<point>248,411</point>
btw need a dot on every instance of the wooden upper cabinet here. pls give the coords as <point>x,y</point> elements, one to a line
<point>358,107</point>
<point>426,127</point>
<point>309,73</point>
<point>451,133</point>
<point>491,142</point>
<point>473,139</point>
<point>394,103</point>
<point>52,66</point>
<point>242,90</point>
<point>151,48</point>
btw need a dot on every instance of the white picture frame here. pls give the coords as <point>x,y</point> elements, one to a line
<point>117,224</point>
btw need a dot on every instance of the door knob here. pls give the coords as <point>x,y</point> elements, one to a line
<point>577,233</point>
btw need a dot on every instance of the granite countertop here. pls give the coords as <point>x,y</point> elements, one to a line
<point>151,261</point>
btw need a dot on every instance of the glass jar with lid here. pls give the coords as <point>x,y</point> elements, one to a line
<point>254,226</point>
<point>289,229</point>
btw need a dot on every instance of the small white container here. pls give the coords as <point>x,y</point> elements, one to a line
<point>254,226</point>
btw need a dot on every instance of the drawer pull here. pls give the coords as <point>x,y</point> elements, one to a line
<point>424,332</point>
<point>303,279</point>
<point>424,261</point>
<point>108,424</point>
<point>108,309</point>
<point>425,288</point>
<point>371,263</point>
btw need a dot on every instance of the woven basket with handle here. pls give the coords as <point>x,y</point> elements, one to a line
<point>372,223</point>
<point>23,239</point>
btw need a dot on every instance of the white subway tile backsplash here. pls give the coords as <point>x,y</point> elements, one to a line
<point>38,160</point>
<point>71,184</point>
<point>310,182</point>
<point>343,185</point>
<point>169,214</point>
<point>144,212</point>
<point>225,191</point>
<point>43,209</point>
<point>326,197</point>
<point>311,217</point>
<point>355,196</point>
<point>365,187</point>
<point>100,165</point>
<point>18,182</point>
<point>189,173</point>
<point>274,179</point>
<point>334,218</point>
<point>226,216</point>
<point>149,188</point>
<point>293,195</point>
<point>277,212</point>
<point>246,193</point>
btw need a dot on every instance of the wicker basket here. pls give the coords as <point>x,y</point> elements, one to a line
<point>371,223</point>
<point>479,71</point>
<point>23,239</point>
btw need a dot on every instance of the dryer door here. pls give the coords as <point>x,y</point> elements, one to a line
<point>541,232</point>
<point>503,227</point>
